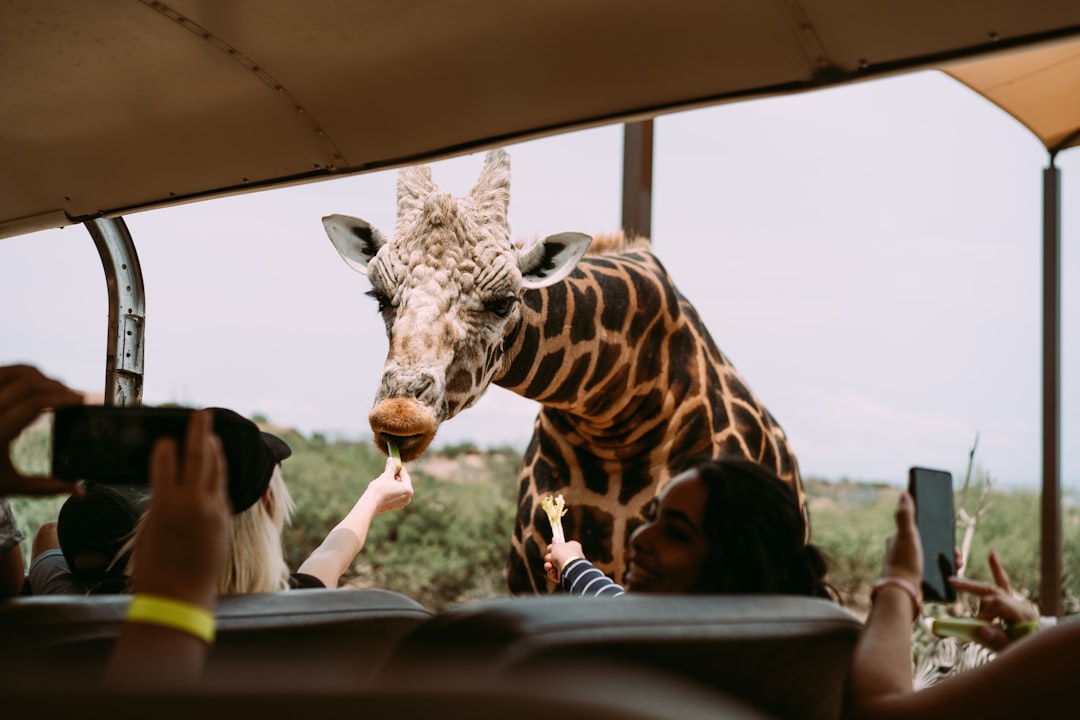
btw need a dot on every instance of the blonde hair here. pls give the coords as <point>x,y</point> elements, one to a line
<point>256,561</point>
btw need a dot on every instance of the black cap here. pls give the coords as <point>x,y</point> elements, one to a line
<point>250,454</point>
<point>100,522</point>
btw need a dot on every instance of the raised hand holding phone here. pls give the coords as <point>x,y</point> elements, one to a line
<point>25,393</point>
<point>935,517</point>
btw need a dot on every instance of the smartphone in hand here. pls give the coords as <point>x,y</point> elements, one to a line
<point>104,444</point>
<point>935,516</point>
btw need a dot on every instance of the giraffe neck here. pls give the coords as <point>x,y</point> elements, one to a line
<point>631,383</point>
<point>582,347</point>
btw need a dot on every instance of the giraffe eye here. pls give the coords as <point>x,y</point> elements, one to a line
<point>501,306</point>
<point>382,300</point>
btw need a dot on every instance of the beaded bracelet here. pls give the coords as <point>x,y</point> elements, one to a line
<point>916,600</point>
<point>166,612</point>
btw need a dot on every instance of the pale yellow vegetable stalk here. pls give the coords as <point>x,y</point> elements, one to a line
<point>555,509</point>
<point>394,453</point>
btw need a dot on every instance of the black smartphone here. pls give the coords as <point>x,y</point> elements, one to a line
<point>105,444</point>
<point>932,491</point>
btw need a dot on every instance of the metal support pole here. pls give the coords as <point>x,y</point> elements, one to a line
<point>637,178</point>
<point>1050,591</point>
<point>127,311</point>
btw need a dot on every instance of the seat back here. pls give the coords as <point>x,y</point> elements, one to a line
<point>593,691</point>
<point>786,655</point>
<point>294,641</point>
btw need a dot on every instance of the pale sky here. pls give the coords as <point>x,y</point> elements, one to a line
<point>869,257</point>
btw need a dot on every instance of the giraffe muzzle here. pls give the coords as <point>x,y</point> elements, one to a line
<point>410,424</point>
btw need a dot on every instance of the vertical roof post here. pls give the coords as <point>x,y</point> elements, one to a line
<point>637,178</point>
<point>1050,589</point>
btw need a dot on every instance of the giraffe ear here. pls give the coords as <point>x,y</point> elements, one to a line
<point>550,260</point>
<point>492,190</point>
<point>355,240</point>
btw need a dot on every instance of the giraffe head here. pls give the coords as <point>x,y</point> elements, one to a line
<point>449,285</point>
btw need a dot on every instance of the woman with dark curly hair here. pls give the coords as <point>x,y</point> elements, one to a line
<point>726,525</point>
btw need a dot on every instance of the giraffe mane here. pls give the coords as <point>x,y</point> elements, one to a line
<point>608,243</point>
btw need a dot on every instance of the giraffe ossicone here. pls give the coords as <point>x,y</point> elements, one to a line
<point>628,378</point>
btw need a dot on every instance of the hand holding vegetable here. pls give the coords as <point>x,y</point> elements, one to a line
<point>559,554</point>
<point>1007,617</point>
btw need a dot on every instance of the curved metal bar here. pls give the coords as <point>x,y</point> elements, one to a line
<point>127,310</point>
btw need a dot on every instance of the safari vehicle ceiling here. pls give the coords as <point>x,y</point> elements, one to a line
<point>111,108</point>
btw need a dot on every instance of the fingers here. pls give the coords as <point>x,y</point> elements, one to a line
<point>905,516</point>
<point>163,466</point>
<point>903,550</point>
<point>21,381</point>
<point>389,491</point>
<point>13,483</point>
<point>203,467</point>
<point>974,587</point>
<point>991,608</point>
<point>200,463</point>
<point>25,393</point>
<point>392,468</point>
<point>993,637</point>
<point>1001,578</point>
<point>204,464</point>
<point>219,482</point>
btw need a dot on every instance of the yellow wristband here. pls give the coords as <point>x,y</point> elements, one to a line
<point>182,616</point>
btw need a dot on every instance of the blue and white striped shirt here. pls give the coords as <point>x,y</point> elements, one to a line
<point>581,577</point>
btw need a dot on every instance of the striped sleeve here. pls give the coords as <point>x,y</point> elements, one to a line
<point>581,577</point>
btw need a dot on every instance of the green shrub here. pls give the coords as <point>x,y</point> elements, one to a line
<point>849,522</point>
<point>31,453</point>
<point>448,545</point>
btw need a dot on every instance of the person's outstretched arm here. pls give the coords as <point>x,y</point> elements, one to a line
<point>181,549</point>
<point>390,491</point>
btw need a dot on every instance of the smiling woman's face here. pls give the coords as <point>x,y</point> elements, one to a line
<point>668,551</point>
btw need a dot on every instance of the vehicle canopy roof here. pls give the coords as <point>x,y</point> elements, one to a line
<point>126,106</point>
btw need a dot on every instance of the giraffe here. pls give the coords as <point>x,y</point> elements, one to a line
<point>628,378</point>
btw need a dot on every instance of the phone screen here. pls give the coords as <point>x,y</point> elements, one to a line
<point>932,491</point>
<point>103,444</point>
